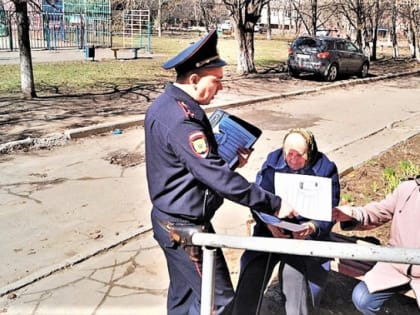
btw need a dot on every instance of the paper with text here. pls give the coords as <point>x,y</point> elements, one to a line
<point>309,195</point>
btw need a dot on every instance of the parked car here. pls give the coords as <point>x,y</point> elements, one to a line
<point>260,28</point>
<point>225,27</point>
<point>326,56</point>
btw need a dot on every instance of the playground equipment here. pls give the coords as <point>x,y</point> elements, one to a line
<point>83,24</point>
<point>61,24</point>
<point>135,33</point>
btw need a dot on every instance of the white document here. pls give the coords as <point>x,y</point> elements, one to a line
<point>309,195</point>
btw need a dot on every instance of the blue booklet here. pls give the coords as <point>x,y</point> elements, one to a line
<point>273,220</point>
<point>232,133</point>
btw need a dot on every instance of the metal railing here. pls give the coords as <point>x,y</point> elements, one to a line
<point>293,247</point>
<point>56,30</point>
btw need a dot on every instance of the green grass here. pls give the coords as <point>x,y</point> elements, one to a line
<point>75,77</point>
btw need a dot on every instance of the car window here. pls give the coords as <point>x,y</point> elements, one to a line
<point>351,47</point>
<point>329,45</point>
<point>341,46</point>
<point>305,42</point>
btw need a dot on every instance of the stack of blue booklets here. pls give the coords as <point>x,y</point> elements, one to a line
<point>232,133</point>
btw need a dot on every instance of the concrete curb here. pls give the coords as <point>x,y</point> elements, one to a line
<point>104,127</point>
<point>35,143</point>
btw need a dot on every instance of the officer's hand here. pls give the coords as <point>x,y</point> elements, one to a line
<point>286,210</point>
<point>243,155</point>
<point>277,232</point>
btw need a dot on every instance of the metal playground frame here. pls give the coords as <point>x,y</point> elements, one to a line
<point>136,30</point>
<point>77,24</point>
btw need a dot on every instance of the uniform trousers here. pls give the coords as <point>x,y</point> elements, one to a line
<point>184,292</point>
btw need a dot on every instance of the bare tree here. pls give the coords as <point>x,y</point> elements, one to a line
<point>375,13</point>
<point>206,8</point>
<point>355,13</point>
<point>27,82</point>
<point>410,11</point>
<point>313,14</point>
<point>244,15</point>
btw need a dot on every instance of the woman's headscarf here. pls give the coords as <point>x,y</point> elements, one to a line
<point>310,142</point>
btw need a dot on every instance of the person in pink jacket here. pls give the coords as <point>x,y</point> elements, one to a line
<point>402,207</point>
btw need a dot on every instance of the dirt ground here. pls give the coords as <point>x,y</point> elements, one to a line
<point>364,184</point>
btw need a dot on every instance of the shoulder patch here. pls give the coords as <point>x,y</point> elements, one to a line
<point>198,143</point>
<point>185,109</point>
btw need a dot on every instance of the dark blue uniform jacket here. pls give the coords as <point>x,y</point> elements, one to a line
<point>186,176</point>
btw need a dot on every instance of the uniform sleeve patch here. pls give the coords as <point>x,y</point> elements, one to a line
<point>198,143</point>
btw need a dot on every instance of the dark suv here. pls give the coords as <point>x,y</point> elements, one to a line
<point>326,56</point>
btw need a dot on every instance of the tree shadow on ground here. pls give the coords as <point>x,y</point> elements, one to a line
<point>22,118</point>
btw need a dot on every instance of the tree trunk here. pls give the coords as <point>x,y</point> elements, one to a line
<point>373,55</point>
<point>394,15</point>
<point>245,40</point>
<point>360,24</point>
<point>26,70</point>
<point>416,43</point>
<point>412,40</point>
<point>415,32</point>
<point>268,21</point>
<point>314,16</point>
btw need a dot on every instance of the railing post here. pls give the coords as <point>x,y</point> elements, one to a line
<point>207,281</point>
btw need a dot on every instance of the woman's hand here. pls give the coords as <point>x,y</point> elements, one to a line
<point>342,213</point>
<point>277,232</point>
<point>308,230</point>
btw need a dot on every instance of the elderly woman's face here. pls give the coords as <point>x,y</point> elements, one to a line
<point>295,151</point>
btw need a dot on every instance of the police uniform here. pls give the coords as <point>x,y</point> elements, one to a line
<point>188,180</point>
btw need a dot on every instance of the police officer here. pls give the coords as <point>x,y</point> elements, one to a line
<point>187,179</point>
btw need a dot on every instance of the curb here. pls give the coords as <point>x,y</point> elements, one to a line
<point>35,143</point>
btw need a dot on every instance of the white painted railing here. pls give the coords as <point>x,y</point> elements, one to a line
<point>293,247</point>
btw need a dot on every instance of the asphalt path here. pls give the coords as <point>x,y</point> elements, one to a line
<point>75,227</point>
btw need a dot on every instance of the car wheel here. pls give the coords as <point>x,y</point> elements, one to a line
<point>332,73</point>
<point>293,73</point>
<point>364,70</point>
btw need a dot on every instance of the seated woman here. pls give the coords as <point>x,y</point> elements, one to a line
<point>385,279</point>
<point>300,277</point>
